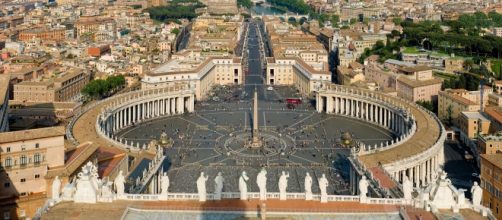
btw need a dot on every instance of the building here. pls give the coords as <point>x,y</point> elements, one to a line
<point>452,102</point>
<point>199,73</point>
<point>65,87</point>
<point>298,59</point>
<point>490,144</point>
<point>44,34</point>
<point>491,182</point>
<point>26,157</point>
<point>418,90</point>
<point>4,102</point>
<point>471,124</point>
<point>96,28</point>
<point>350,75</point>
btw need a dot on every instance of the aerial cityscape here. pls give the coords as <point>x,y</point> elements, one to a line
<point>251,109</point>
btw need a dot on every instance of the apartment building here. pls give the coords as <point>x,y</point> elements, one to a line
<point>26,157</point>
<point>65,87</point>
<point>96,28</point>
<point>44,34</point>
<point>298,58</point>
<point>199,73</point>
<point>452,102</point>
<point>491,182</point>
<point>417,84</point>
<point>471,124</point>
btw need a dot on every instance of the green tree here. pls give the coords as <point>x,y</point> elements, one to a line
<point>175,31</point>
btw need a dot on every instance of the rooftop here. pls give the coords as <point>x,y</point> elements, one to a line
<point>4,86</point>
<point>475,115</point>
<point>13,136</point>
<point>418,83</point>
<point>495,159</point>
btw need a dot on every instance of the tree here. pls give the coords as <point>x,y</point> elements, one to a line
<point>397,20</point>
<point>175,31</point>
<point>245,3</point>
<point>426,104</point>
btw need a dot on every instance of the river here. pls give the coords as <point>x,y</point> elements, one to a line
<point>265,9</point>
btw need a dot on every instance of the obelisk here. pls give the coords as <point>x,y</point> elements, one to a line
<point>256,139</point>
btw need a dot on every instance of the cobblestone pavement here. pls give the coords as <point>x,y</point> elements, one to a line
<point>313,143</point>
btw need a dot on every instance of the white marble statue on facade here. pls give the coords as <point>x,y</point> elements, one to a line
<point>201,187</point>
<point>283,185</point>
<point>243,187</point>
<point>56,186</point>
<point>67,192</point>
<point>308,187</point>
<point>119,183</point>
<point>218,186</point>
<point>323,185</point>
<point>407,188</point>
<point>363,188</point>
<point>87,185</point>
<point>261,181</point>
<point>106,194</point>
<point>477,194</point>
<point>164,184</point>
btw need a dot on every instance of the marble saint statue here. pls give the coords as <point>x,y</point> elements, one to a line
<point>363,187</point>
<point>201,187</point>
<point>407,188</point>
<point>243,187</point>
<point>164,184</point>
<point>119,183</point>
<point>477,194</point>
<point>323,185</point>
<point>261,181</point>
<point>56,186</point>
<point>218,186</point>
<point>283,185</point>
<point>308,187</point>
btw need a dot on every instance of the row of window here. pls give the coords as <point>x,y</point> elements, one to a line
<point>23,160</point>
<point>23,148</point>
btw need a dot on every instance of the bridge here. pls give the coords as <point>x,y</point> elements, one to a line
<point>284,16</point>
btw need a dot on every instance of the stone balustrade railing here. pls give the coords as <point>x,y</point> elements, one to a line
<point>138,94</point>
<point>256,195</point>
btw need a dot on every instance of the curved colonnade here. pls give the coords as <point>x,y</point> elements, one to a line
<point>121,111</point>
<point>417,152</point>
<point>139,108</point>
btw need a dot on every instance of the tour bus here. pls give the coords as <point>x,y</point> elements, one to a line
<point>296,101</point>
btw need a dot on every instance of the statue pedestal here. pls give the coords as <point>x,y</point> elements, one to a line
<point>256,143</point>
<point>308,196</point>
<point>86,193</point>
<point>324,198</point>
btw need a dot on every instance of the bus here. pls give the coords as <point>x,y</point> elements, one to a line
<point>296,101</point>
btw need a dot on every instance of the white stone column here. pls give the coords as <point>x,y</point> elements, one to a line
<point>329,104</point>
<point>335,100</point>
<point>173,105</point>
<point>169,106</point>
<point>422,174</point>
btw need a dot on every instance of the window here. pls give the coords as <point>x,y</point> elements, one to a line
<point>8,162</point>
<point>22,194</point>
<point>23,180</point>
<point>8,149</point>
<point>36,158</point>
<point>37,176</point>
<point>37,145</point>
<point>6,185</point>
<point>23,161</point>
